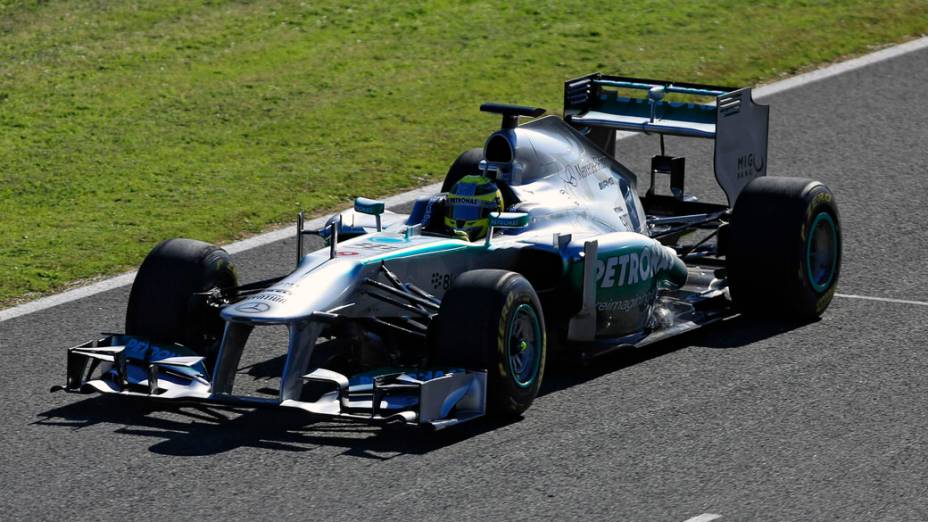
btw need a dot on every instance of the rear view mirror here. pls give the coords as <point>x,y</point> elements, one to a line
<point>371,207</point>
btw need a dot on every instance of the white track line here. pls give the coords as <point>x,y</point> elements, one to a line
<point>406,197</point>
<point>882,299</point>
<point>290,231</point>
<point>232,248</point>
<point>705,517</point>
<point>840,68</point>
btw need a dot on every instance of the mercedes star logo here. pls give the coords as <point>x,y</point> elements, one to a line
<point>253,308</point>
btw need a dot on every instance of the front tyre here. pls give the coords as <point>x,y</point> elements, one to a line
<point>784,255</point>
<point>166,303</point>
<point>492,319</point>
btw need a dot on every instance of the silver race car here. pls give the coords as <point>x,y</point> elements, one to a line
<point>418,319</point>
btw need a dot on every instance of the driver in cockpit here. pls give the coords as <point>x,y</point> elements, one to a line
<point>469,204</point>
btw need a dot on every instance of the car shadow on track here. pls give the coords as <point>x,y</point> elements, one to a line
<point>736,332</point>
<point>186,430</point>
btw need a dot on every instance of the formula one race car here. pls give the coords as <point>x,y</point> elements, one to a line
<point>538,241</point>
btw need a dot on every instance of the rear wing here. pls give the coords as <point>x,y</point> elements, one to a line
<point>729,116</point>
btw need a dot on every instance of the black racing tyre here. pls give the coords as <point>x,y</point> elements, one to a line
<point>784,253</point>
<point>467,164</point>
<point>492,319</point>
<point>162,305</point>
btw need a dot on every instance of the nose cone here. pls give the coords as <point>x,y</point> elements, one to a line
<point>311,288</point>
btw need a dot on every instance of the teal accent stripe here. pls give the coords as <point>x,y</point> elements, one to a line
<point>821,287</point>
<point>429,248</point>
<point>536,363</point>
<point>668,88</point>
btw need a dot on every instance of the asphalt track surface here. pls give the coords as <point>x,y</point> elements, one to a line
<point>750,420</point>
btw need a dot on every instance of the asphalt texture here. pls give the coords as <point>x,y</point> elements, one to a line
<point>748,419</point>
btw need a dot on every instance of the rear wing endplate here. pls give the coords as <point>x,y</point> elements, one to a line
<point>732,119</point>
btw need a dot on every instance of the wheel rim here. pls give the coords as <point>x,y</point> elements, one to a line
<point>523,345</point>
<point>822,252</point>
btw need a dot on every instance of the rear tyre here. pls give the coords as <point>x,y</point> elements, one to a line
<point>492,319</point>
<point>467,164</point>
<point>784,254</point>
<point>163,306</point>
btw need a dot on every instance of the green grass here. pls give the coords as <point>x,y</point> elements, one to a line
<point>124,124</point>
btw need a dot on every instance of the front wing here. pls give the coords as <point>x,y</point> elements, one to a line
<point>129,366</point>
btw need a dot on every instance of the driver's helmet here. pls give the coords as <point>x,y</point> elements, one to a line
<point>469,204</point>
